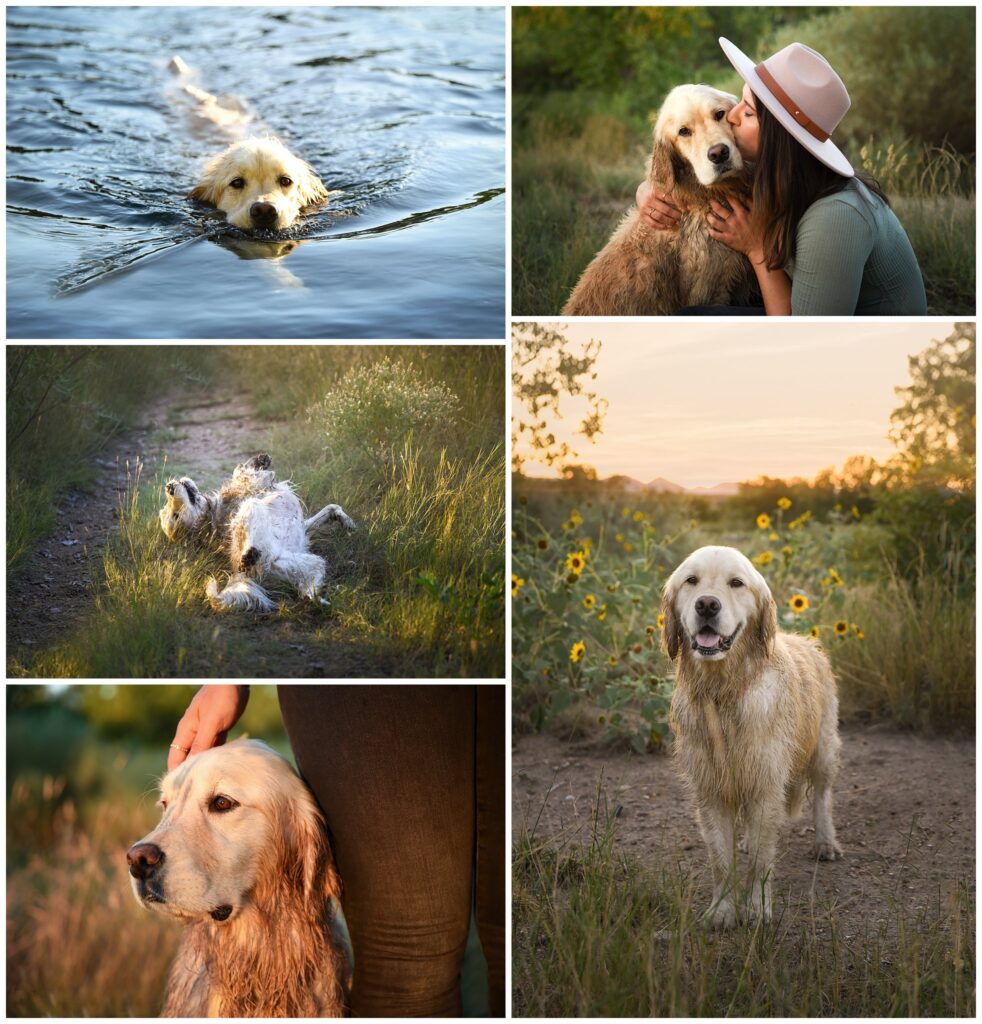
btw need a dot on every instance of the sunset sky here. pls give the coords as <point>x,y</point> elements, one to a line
<point>707,403</point>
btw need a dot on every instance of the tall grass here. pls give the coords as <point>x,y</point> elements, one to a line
<point>410,442</point>
<point>600,934</point>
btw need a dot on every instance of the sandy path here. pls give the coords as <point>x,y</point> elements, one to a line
<point>905,814</point>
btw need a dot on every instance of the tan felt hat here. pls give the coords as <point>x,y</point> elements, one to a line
<point>801,89</point>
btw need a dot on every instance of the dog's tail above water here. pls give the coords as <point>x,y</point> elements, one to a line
<point>241,593</point>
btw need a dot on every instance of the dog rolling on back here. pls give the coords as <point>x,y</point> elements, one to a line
<point>642,271</point>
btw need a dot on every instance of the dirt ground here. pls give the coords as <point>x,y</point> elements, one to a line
<point>206,437</point>
<point>904,811</point>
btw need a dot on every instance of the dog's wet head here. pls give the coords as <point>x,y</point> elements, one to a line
<point>185,507</point>
<point>715,596</point>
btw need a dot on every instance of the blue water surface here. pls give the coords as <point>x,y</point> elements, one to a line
<point>400,110</point>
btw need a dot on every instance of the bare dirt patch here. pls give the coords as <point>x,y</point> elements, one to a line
<point>904,811</point>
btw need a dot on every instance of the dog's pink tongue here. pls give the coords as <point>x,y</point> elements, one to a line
<point>707,638</point>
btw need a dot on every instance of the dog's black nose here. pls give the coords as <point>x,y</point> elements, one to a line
<point>707,607</point>
<point>263,214</point>
<point>719,153</point>
<point>170,488</point>
<point>144,859</point>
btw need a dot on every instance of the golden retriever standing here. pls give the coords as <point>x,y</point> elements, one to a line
<point>241,856</point>
<point>755,717</point>
<point>645,272</point>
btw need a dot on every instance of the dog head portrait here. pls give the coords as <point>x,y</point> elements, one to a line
<point>234,818</point>
<point>716,605</point>
<point>260,185</point>
<point>693,141</point>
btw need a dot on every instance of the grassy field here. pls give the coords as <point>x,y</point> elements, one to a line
<point>588,571</point>
<point>598,933</point>
<point>586,90</point>
<point>413,441</point>
<point>570,192</point>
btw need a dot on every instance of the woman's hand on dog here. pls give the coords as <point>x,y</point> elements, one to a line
<point>212,712</point>
<point>734,227</point>
<point>657,209</point>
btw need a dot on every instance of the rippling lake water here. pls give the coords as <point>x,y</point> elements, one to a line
<point>400,110</point>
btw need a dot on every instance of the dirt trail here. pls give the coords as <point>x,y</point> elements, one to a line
<point>202,436</point>
<point>904,810</point>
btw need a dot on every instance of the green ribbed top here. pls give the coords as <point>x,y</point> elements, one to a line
<point>853,258</point>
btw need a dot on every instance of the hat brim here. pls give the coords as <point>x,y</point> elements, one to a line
<point>828,152</point>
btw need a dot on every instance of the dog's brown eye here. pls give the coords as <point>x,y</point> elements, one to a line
<point>692,581</point>
<point>237,183</point>
<point>736,583</point>
<point>684,131</point>
<point>222,804</point>
<point>719,115</point>
<point>286,182</point>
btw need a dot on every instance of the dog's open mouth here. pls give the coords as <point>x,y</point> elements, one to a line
<point>708,642</point>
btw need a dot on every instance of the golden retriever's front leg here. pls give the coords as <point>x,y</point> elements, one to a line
<point>762,828</point>
<point>718,827</point>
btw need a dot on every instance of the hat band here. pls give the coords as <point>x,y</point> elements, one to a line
<point>789,105</point>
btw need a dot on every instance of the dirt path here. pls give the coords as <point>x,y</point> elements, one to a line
<point>203,436</point>
<point>905,814</point>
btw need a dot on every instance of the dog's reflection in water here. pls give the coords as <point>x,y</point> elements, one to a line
<point>274,250</point>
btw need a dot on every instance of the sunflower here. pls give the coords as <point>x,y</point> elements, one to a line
<point>576,651</point>
<point>612,661</point>
<point>619,537</point>
<point>859,633</point>
<point>841,627</point>
<point>764,558</point>
<point>763,521</point>
<point>649,630</point>
<point>787,551</point>
<point>660,622</point>
<point>516,584</point>
<point>784,504</point>
<point>602,613</point>
<point>628,547</point>
<point>855,511</point>
<point>799,603</point>
<point>835,577</point>
<point>773,536</point>
<point>543,543</point>
<point>575,518</point>
<point>814,632</point>
<point>638,516</point>
<point>589,601</point>
<point>575,561</point>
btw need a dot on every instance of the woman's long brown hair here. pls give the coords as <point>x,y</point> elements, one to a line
<point>787,180</point>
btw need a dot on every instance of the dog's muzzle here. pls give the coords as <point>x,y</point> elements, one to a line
<point>708,641</point>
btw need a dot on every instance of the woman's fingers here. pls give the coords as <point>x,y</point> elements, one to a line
<point>206,723</point>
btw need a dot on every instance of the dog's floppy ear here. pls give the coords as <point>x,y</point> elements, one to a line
<point>208,189</point>
<point>663,162</point>
<point>671,624</point>
<point>311,190</point>
<point>763,628</point>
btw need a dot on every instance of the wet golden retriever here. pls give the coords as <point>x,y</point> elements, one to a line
<point>242,858</point>
<point>755,718</point>
<point>260,185</point>
<point>642,271</point>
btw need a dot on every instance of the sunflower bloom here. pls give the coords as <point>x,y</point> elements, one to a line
<point>576,651</point>
<point>855,511</point>
<point>575,561</point>
<point>589,601</point>
<point>773,536</point>
<point>628,547</point>
<point>612,661</point>
<point>784,504</point>
<point>575,518</point>
<point>516,584</point>
<point>543,543</point>
<point>649,630</point>
<point>619,537</point>
<point>799,603</point>
<point>764,558</point>
<point>763,521</point>
<point>660,622</point>
<point>841,627</point>
<point>814,632</point>
<point>638,516</point>
<point>835,577</point>
<point>602,613</point>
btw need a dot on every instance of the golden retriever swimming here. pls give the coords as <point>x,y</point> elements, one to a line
<point>755,718</point>
<point>642,271</point>
<point>260,185</point>
<point>241,856</point>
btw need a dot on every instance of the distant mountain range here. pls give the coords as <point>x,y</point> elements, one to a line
<point>662,486</point>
